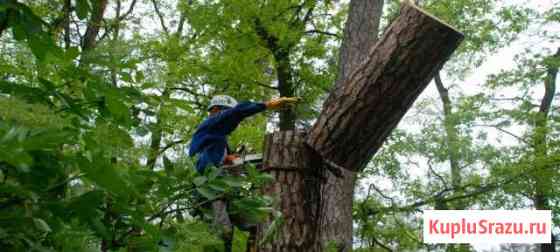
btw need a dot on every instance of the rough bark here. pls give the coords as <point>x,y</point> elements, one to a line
<point>355,122</point>
<point>543,181</point>
<point>296,188</point>
<point>360,33</point>
<point>316,205</point>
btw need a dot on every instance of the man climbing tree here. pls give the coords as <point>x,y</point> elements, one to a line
<point>210,143</point>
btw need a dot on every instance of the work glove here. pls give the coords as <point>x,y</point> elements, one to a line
<point>281,102</point>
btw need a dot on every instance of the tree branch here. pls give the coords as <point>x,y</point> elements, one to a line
<point>129,11</point>
<point>504,131</point>
<point>323,33</point>
<point>94,24</point>
<point>160,16</point>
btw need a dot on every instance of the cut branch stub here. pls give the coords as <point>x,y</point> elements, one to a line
<point>362,112</point>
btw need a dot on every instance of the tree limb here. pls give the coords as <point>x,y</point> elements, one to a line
<point>323,33</point>
<point>94,24</point>
<point>160,16</point>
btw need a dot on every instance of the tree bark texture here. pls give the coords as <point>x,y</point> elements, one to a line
<point>358,116</point>
<point>94,24</point>
<point>296,189</point>
<point>337,194</point>
<point>360,34</point>
<point>356,121</point>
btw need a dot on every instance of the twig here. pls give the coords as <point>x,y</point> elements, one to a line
<point>66,181</point>
<point>323,33</point>
<point>504,131</point>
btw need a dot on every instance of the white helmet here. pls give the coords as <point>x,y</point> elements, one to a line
<point>223,101</point>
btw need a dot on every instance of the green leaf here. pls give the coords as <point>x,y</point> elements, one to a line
<point>38,47</point>
<point>82,9</point>
<point>207,193</point>
<point>117,108</point>
<point>86,205</point>
<point>99,228</point>
<point>18,32</point>
<point>72,53</point>
<point>142,131</point>
<point>200,180</point>
<point>233,181</point>
<point>218,186</point>
<point>41,225</point>
<point>105,175</point>
<point>126,77</point>
<point>139,76</point>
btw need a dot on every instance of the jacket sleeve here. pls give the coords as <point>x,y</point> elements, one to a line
<point>226,121</point>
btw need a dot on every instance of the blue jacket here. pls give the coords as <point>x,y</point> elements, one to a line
<point>210,138</point>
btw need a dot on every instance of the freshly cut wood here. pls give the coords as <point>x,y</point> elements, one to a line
<point>361,113</point>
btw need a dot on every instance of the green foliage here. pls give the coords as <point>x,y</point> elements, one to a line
<point>72,175</point>
<point>92,144</point>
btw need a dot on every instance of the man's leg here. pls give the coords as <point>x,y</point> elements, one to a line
<point>222,223</point>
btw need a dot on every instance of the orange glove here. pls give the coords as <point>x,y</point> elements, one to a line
<point>278,103</point>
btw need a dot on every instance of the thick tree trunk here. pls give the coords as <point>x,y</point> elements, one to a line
<point>356,119</point>
<point>297,191</point>
<point>360,34</point>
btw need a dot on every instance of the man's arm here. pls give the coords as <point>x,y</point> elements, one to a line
<point>229,119</point>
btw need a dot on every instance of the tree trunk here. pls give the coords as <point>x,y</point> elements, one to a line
<point>360,33</point>
<point>67,15</point>
<point>315,204</point>
<point>296,188</point>
<point>361,114</point>
<point>451,138</point>
<point>281,54</point>
<point>94,24</point>
<point>450,126</point>
<point>543,179</point>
